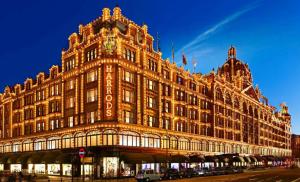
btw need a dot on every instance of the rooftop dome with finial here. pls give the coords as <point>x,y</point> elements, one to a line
<point>231,52</point>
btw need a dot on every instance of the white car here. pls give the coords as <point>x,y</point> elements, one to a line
<point>147,175</point>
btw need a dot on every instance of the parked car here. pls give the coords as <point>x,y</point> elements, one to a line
<point>147,175</point>
<point>188,172</point>
<point>171,174</point>
<point>238,170</point>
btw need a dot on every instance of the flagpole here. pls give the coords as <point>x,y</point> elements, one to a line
<point>173,53</point>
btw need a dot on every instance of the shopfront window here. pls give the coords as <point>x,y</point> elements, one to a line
<point>109,137</point>
<point>87,168</point>
<point>67,169</point>
<point>110,166</point>
<point>66,141</point>
<point>39,168</point>
<point>53,169</point>
<point>15,168</point>
<point>151,141</point>
<point>129,139</point>
<point>93,138</point>
<point>1,167</point>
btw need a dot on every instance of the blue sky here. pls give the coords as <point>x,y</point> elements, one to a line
<point>265,34</point>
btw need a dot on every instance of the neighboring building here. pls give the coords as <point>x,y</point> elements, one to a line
<point>296,146</point>
<point>116,97</point>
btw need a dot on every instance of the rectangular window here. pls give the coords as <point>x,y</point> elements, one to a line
<point>128,116</point>
<point>91,117</point>
<point>70,85</point>
<point>53,124</point>
<point>127,96</point>
<point>128,77</point>
<point>70,121</point>
<point>91,54</point>
<point>91,76</point>
<point>92,95</point>
<point>151,102</point>
<point>70,102</point>
<point>69,64</point>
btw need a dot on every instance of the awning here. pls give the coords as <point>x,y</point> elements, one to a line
<point>247,159</point>
<point>269,158</point>
<point>35,158</point>
<point>196,158</point>
<point>63,158</point>
<point>50,157</point>
<point>136,158</point>
<point>179,159</point>
<point>223,158</point>
<point>238,159</point>
<point>211,159</point>
<point>253,159</point>
<point>12,159</point>
<point>259,158</point>
<point>3,159</point>
<point>22,159</point>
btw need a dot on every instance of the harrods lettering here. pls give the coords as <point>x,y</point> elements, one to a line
<point>108,97</point>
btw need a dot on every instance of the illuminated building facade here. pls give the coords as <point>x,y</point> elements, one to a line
<point>115,96</point>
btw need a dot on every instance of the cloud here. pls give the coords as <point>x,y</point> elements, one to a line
<point>193,46</point>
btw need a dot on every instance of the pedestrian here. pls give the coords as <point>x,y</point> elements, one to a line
<point>20,176</point>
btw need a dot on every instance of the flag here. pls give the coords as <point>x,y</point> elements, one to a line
<point>173,53</point>
<point>184,61</point>
<point>194,64</point>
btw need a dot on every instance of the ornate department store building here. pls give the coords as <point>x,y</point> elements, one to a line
<point>115,97</point>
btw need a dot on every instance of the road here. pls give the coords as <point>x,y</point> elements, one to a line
<point>269,175</point>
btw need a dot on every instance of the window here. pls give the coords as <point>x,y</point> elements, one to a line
<point>166,74</point>
<point>91,54</point>
<point>53,124</point>
<point>128,77</point>
<point>69,64</point>
<point>151,102</point>
<point>151,85</point>
<point>128,117</point>
<point>40,110</point>
<point>152,65</point>
<point>93,138</point>
<point>129,55</point>
<point>70,102</point>
<point>92,95</point>
<point>166,107</point>
<point>91,117</point>
<point>54,106</point>
<point>54,90</point>
<point>152,121</point>
<point>109,137</point>
<point>39,144</point>
<point>180,80</point>
<point>151,141</point>
<point>166,123</point>
<point>129,139</point>
<point>40,126</point>
<point>166,90</point>
<point>70,121</point>
<point>91,76</point>
<point>40,95</point>
<point>70,85</point>
<point>53,143</point>
<point>127,96</point>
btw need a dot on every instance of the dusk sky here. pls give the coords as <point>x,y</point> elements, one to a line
<point>265,34</point>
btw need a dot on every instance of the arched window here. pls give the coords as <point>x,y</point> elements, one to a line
<point>219,95</point>
<point>53,143</point>
<point>250,111</point>
<point>1,148</point>
<point>7,147</point>
<point>93,138</point>
<point>149,140</point>
<point>79,140</point>
<point>183,144</point>
<point>27,145</point>
<point>17,147</point>
<point>165,142</point>
<point>204,146</point>
<point>109,137</point>
<point>40,144</point>
<point>236,103</point>
<point>66,141</point>
<point>128,138</point>
<point>195,145</point>
<point>174,143</point>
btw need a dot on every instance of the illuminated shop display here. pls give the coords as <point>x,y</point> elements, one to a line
<point>88,169</point>
<point>53,169</point>
<point>1,167</point>
<point>15,167</point>
<point>110,166</point>
<point>67,169</point>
